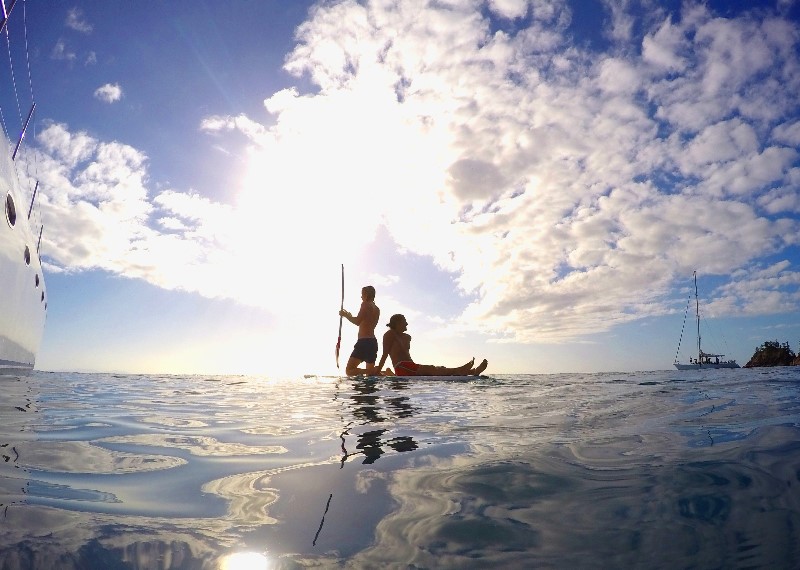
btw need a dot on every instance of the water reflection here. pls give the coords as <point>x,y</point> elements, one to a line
<point>152,472</point>
<point>370,444</point>
<point>368,405</point>
<point>17,407</point>
<point>180,472</point>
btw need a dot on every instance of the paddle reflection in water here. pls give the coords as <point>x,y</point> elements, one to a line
<point>365,406</point>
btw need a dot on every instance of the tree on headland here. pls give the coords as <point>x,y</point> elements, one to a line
<point>773,353</point>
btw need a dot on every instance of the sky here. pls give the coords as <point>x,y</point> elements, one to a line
<point>529,181</point>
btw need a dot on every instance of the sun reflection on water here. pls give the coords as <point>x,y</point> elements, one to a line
<point>244,561</point>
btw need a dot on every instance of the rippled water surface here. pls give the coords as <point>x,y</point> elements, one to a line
<point>645,470</point>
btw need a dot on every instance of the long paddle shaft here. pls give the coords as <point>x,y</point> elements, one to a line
<point>339,341</point>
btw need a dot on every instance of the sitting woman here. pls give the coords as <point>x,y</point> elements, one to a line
<point>397,346</point>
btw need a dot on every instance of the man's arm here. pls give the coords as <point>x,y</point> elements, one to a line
<point>347,315</point>
<point>358,319</point>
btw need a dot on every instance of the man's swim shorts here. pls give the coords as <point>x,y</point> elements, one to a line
<point>366,350</point>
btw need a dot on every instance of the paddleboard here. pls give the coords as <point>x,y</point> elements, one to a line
<point>423,378</point>
<point>420,378</point>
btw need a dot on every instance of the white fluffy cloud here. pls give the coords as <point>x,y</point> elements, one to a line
<point>567,188</point>
<point>584,181</point>
<point>109,93</point>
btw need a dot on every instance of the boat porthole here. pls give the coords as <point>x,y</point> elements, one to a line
<point>27,256</point>
<point>11,210</point>
<point>45,304</point>
<point>37,280</point>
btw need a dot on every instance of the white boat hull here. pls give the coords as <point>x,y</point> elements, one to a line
<point>712,365</point>
<point>23,303</point>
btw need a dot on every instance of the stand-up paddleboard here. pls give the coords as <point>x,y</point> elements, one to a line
<point>409,378</point>
<point>423,378</point>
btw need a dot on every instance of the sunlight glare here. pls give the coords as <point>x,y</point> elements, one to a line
<point>244,561</point>
<point>318,185</point>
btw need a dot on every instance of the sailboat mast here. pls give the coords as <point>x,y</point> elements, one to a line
<point>697,313</point>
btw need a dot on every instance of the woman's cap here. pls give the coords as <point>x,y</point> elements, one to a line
<point>395,320</point>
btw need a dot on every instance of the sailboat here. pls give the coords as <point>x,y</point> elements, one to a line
<point>23,303</point>
<point>704,359</point>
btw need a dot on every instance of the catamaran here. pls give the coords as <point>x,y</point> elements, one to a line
<point>704,359</point>
<point>23,302</point>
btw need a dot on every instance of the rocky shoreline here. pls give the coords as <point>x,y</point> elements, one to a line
<point>773,353</point>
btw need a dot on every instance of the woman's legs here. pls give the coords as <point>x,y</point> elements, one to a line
<point>465,370</point>
<point>430,370</point>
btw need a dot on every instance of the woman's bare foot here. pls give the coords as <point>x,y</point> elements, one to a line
<point>464,369</point>
<point>481,367</point>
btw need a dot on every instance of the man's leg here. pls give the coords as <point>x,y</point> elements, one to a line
<point>365,350</point>
<point>352,368</point>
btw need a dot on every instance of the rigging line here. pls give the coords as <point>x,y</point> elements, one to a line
<point>23,132</point>
<point>683,326</point>
<point>27,51</point>
<point>2,115</point>
<point>6,14</point>
<point>28,65</point>
<point>714,339</point>
<point>13,75</point>
<point>30,87</point>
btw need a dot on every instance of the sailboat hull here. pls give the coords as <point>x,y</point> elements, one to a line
<point>712,365</point>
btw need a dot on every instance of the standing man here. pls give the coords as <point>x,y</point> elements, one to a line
<point>366,348</point>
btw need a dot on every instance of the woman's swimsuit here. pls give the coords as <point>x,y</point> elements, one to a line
<point>406,368</point>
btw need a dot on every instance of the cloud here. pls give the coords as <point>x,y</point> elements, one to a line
<point>241,123</point>
<point>759,291</point>
<point>586,189</point>
<point>509,8</point>
<point>109,93</point>
<point>100,214</point>
<point>77,21</point>
<point>62,52</point>
<point>566,189</point>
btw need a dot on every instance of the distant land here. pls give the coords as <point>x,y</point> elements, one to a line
<point>773,353</point>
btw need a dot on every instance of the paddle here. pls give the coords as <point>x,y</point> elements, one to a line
<point>339,341</point>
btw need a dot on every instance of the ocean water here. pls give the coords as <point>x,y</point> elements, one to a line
<point>697,469</point>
